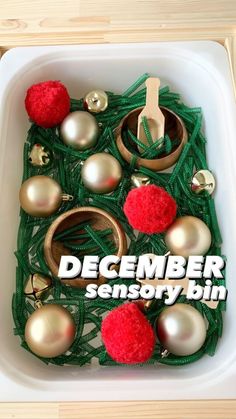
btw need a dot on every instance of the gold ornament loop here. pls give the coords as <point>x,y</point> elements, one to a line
<point>164,353</point>
<point>67,197</point>
<point>38,304</point>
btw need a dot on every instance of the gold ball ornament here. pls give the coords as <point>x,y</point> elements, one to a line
<point>96,101</point>
<point>101,173</point>
<point>50,331</point>
<point>188,236</point>
<point>181,329</point>
<point>139,179</point>
<point>79,130</point>
<point>41,196</point>
<point>39,156</point>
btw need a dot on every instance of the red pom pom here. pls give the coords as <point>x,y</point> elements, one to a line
<point>47,103</point>
<point>127,335</point>
<point>150,209</point>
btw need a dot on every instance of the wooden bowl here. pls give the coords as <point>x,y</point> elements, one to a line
<point>99,220</point>
<point>174,127</point>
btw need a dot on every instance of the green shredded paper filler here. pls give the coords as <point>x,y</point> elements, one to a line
<point>65,168</point>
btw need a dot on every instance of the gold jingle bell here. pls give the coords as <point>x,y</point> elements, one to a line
<point>96,101</point>
<point>203,180</point>
<point>39,156</point>
<point>139,179</point>
<point>37,286</point>
<point>41,196</point>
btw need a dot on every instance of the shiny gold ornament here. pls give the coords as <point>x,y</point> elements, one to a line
<point>80,130</point>
<point>181,329</point>
<point>96,101</point>
<point>39,156</point>
<point>50,331</point>
<point>188,236</point>
<point>139,179</point>
<point>101,173</point>
<point>37,286</point>
<point>203,180</point>
<point>41,196</point>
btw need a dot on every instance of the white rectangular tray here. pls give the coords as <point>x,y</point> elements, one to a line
<point>200,71</point>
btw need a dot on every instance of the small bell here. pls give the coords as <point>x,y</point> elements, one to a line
<point>139,179</point>
<point>39,156</point>
<point>37,286</point>
<point>96,101</point>
<point>203,180</point>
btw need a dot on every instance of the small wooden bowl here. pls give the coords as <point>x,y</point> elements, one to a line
<point>99,220</point>
<point>174,127</point>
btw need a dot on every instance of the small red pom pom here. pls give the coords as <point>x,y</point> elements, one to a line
<point>150,209</point>
<point>127,335</point>
<point>47,103</point>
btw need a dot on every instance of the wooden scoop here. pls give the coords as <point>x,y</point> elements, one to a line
<point>155,118</point>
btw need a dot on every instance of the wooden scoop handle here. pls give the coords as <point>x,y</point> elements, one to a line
<point>152,93</point>
<point>152,112</point>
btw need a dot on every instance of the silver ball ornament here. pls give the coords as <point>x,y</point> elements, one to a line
<point>101,173</point>
<point>96,101</point>
<point>79,130</point>
<point>188,236</point>
<point>181,329</point>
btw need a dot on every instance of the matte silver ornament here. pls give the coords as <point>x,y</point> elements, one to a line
<point>80,130</point>
<point>188,236</point>
<point>101,173</point>
<point>96,101</point>
<point>181,329</point>
<point>203,180</point>
<point>39,156</point>
<point>139,179</point>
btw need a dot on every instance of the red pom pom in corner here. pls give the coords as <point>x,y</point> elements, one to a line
<point>47,103</point>
<point>128,335</point>
<point>150,209</point>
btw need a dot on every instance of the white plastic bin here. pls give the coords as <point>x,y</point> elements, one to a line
<point>200,71</point>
